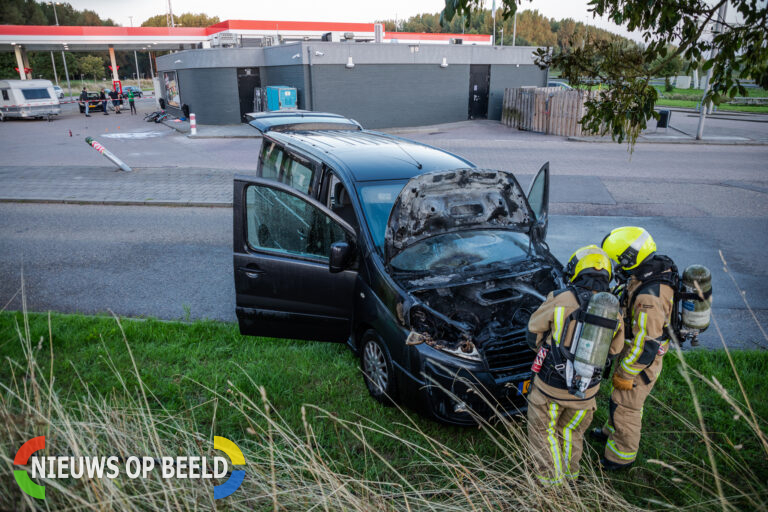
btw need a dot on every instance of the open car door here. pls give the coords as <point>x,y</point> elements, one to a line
<point>538,199</point>
<point>282,245</point>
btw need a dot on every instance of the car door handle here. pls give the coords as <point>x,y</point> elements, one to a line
<point>251,272</point>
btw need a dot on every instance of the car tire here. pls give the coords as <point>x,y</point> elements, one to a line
<point>378,371</point>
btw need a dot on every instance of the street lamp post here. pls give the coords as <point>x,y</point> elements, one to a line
<point>63,57</point>
<point>135,57</point>
<point>514,29</point>
<point>493,38</point>
<point>53,61</point>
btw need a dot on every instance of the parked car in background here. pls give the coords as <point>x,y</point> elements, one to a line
<point>59,92</point>
<point>136,91</point>
<point>94,103</point>
<point>558,83</point>
<point>28,98</point>
<point>426,266</point>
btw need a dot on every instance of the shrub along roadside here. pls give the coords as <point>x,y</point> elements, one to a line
<point>208,378</point>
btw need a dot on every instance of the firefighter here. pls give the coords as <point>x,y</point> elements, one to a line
<point>557,417</point>
<point>646,281</point>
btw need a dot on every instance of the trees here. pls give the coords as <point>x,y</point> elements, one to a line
<point>29,12</point>
<point>626,104</point>
<point>93,66</point>
<point>187,19</point>
<point>533,28</point>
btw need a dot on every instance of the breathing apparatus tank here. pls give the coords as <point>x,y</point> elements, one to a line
<point>592,340</point>
<point>696,311</point>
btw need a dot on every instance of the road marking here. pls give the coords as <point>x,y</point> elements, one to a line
<point>134,135</point>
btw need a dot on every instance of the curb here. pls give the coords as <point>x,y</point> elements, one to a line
<point>198,136</point>
<point>426,129</point>
<point>191,204</point>
<point>683,141</point>
<point>176,126</point>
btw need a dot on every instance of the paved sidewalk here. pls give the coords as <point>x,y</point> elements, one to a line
<point>212,131</point>
<point>159,186</point>
<point>720,129</point>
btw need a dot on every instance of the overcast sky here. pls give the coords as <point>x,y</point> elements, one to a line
<point>363,11</point>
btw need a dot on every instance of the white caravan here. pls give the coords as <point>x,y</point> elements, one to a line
<point>28,98</point>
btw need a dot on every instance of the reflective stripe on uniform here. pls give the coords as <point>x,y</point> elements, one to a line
<point>554,446</point>
<point>549,481</point>
<point>630,456</point>
<point>637,347</point>
<point>557,333</point>
<point>568,438</point>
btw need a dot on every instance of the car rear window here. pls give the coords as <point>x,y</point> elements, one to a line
<point>35,94</point>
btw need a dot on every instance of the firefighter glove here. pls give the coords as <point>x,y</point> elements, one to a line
<point>621,383</point>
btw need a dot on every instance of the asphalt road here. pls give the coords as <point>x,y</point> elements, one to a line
<point>175,263</point>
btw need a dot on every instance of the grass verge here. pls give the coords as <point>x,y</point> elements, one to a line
<point>723,107</point>
<point>344,451</point>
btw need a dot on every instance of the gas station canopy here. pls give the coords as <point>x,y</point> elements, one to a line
<point>99,38</point>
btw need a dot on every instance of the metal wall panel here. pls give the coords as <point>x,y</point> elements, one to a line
<point>211,94</point>
<point>292,76</point>
<point>390,95</point>
<point>212,58</point>
<point>508,77</point>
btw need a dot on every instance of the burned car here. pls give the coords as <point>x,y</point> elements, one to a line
<point>426,266</point>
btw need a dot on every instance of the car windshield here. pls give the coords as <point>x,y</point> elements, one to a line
<point>377,199</point>
<point>463,250</point>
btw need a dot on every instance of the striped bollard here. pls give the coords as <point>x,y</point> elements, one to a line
<point>192,124</point>
<point>104,151</point>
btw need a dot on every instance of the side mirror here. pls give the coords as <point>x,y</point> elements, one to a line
<point>341,256</point>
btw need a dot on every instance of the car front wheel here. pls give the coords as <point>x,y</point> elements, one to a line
<point>377,369</point>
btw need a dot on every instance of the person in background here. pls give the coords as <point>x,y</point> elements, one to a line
<point>103,98</point>
<point>115,100</point>
<point>131,102</point>
<point>84,99</point>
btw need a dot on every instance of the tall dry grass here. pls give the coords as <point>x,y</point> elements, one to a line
<point>287,469</point>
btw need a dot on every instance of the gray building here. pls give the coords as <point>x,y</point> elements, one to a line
<point>379,85</point>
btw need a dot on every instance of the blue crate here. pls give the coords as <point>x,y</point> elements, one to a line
<point>280,97</point>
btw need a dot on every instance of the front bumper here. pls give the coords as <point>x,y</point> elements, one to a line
<point>459,391</point>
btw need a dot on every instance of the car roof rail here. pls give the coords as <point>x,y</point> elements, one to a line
<point>300,120</point>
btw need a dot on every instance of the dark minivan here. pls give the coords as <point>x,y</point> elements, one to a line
<point>427,266</point>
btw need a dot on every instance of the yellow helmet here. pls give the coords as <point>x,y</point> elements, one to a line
<point>629,246</point>
<point>589,257</point>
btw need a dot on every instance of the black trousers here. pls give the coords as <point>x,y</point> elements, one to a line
<point>133,107</point>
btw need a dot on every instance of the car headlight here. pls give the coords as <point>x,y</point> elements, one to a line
<point>442,334</point>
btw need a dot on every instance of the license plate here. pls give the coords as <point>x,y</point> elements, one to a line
<point>524,387</point>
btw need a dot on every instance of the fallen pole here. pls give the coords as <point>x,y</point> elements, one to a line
<point>104,151</point>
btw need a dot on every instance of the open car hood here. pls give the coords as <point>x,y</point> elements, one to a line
<point>457,200</point>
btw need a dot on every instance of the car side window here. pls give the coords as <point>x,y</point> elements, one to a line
<point>271,160</point>
<point>297,174</point>
<point>280,222</point>
<point>5,94</point>
<point>278,165</point>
